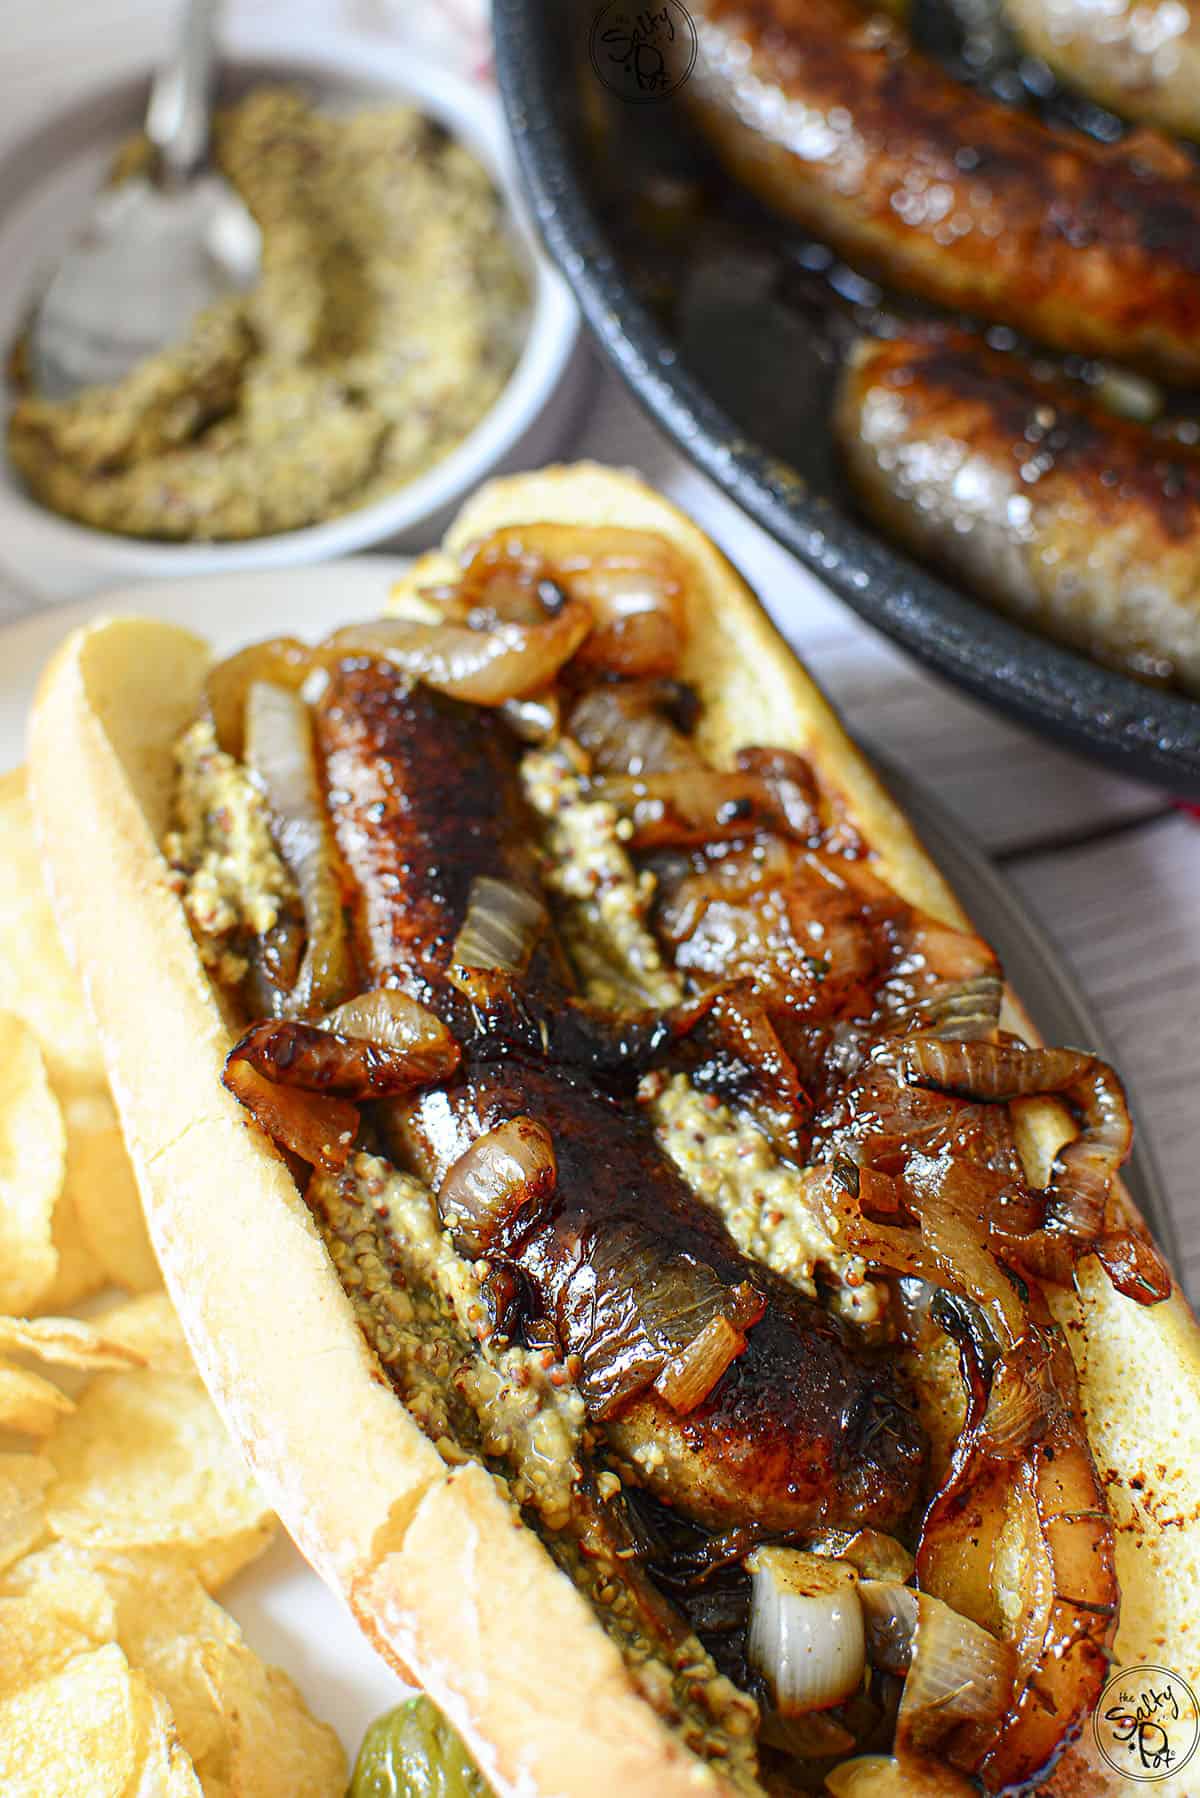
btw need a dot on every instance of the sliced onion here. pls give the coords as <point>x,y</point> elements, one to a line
<point>874,1554</point>
<point>968,1010</point>
<point>284,661</point>
<point>392,1020</point>
<point>631,727</point>
<point>792,784</point>
<point>498,937</point>
<point>955,1671</point>
<point>1018,1403</point>
<point>315,1126</point>
<point>686,1381</point>
<point>508,1170</point>
<point>320,1060</point>
<point>690,807</point>
<point>1135,1267</point>
<point>806,1635</point>
<point>537,719</point>
<point>280,750</point>
<point>649,1311</point>
<point>993,1072</point>
<point>505,661</point>
<point>884,1776</point>
<point>740,1022</point>
<point>631,582</point>
<point>1082,1176</point>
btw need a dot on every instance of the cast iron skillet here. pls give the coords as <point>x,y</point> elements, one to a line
<point>737,372</point>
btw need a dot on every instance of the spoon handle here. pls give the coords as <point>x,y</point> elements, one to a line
<point>177,118</point>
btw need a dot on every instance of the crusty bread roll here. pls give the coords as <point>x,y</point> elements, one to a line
<point>449,1588</point>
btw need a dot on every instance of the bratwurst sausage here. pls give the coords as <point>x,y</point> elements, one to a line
<point>804,1425</point>
<point>1084,525</point>
<point>1143,61</point>
<point>804,1428</point>
<point>829,116</point>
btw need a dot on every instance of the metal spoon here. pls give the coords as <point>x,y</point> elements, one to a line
<point>156,249</point>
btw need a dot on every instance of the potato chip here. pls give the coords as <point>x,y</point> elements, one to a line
<point>167,1770</point>
<point>101,1186</point>
<point>277,1747</point>
<point>79,1273</point>
<point>30,1404</point>
<point>61,1578</point>
<point>23,1483</point>
<point>34,1643</point>
<point>68,1342</point>
<point>149,1328</point>
<point>164,1620</point>
<point>78,1734</point>
<point>32,1163</point>
<point>36,981</point>
<point>145,1462</point>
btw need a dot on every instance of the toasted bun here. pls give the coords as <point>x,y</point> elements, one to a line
<point>449,1586</point>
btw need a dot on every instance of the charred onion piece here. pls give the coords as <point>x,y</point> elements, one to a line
<point>806,1629</point>
<point>496,1184</point>
<point>994,1072</point>
<point>318,1128</point>
<point>631,583</point>
<point>687,1380</point>
<point>392,1020</point>
<point>634,727</point>
<point>500,661</point>
<point>956,1673</point>
<point>930,1231</point>
<point>689,807</point>
<point>319,1060</point>
<point>283,661</point>
<point>281,752</point>
<point>1023,1545</point>
<point>498,937</point>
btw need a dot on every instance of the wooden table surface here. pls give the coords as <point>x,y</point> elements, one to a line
<point>1110,868</point>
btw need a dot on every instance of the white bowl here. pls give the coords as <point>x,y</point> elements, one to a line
<point>46,179</point>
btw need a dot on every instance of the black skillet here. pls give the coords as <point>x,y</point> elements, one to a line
<point>727,332</point>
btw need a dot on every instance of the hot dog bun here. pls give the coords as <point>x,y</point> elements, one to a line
<point>449,1587</point>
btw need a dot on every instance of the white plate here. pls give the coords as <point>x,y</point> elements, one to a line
<point>289,1616</point>
<point>47,176</point>
<point>286,1612</point>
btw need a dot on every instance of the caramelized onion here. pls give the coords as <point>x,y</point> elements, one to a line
<point>507,1171</point>
<point>632,727</point>
<point>739,1022</point>
<point>968,1010</point>
<point>630,582</point>
<point>874,1554</point>
<point>393,1021</point>
<point>666,1306</point>
<point>885,1776</point>
<point>315,1126</point>
<point>806,1628</point>
<point>993,1072</point>
<point>942,1246</point>
<point>283,661</point>
<point>280,750</point>
<point>320,1060</point>
<point>955,1671</point>
<point>687,1380</point>
<point>1082,1176</point>
<point>537,719</point>
<point>498,937</point>
<point>689,807</point>
<point>488,666</point>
